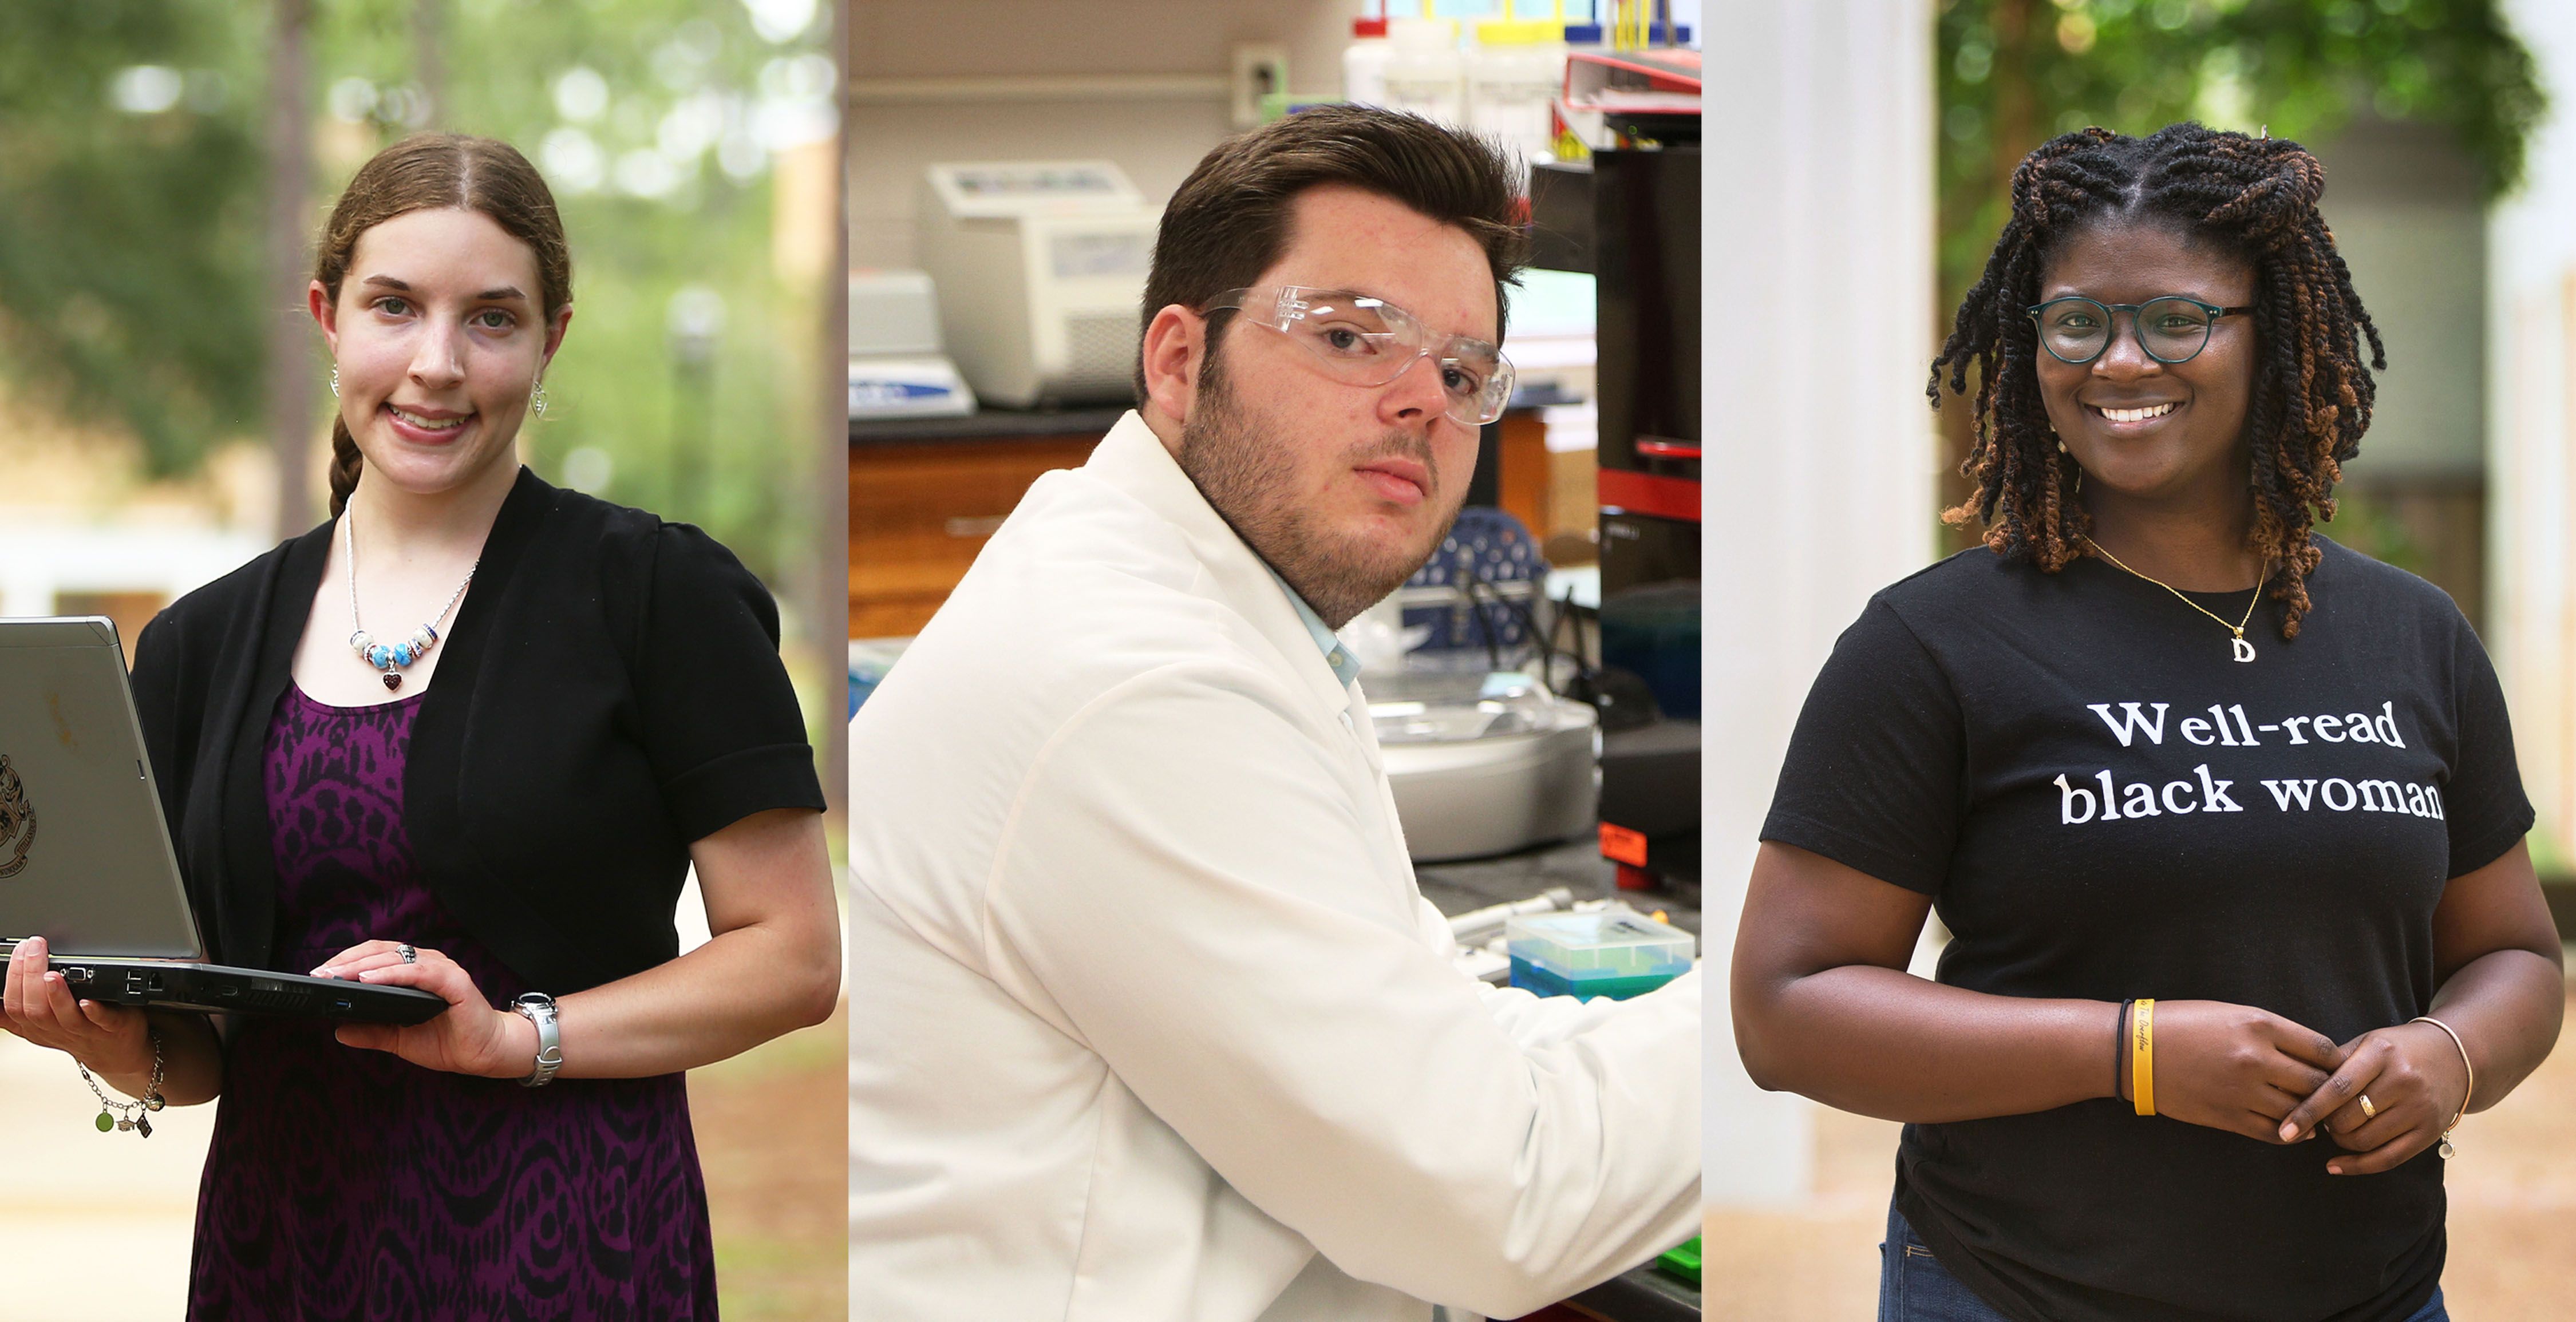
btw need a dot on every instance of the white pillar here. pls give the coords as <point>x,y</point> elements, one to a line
<point>2531,434</point>
<point>1818,333</point>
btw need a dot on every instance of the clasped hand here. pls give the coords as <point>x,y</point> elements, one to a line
<point>2252,1072</point>
<point>469,1037</point>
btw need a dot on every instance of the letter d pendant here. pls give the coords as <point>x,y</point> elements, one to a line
<point>2244,649</point>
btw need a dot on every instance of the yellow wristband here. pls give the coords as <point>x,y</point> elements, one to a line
<point>2142,1056</point>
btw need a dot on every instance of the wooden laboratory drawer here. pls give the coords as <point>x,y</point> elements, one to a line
<point>1521,475</point>
<point>920,513</point>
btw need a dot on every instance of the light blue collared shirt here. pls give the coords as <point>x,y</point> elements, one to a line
<point>1346,667</point>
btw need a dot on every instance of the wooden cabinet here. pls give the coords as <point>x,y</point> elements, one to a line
<point>921,510</point>
<point>1521,482</point>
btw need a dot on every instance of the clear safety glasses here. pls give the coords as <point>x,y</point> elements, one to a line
<point>1367,341</point>
<point>2172,329</point>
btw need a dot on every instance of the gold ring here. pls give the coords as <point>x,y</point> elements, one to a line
<point>2368,1111</point>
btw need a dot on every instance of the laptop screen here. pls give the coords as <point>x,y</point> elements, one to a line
<point>85,860</point>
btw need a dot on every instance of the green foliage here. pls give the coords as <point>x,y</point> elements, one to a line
<point>132,282</point>
<point>130,243</point>
<point>2014,73</point>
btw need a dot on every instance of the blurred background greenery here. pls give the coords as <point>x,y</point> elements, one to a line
<point>140,139</point>
<point>2014,73</point>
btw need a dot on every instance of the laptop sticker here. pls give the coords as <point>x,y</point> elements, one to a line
<point>17,822</point>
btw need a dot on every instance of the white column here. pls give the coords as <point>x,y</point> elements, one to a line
<point>2531,429</point>
<point>1817,328</point>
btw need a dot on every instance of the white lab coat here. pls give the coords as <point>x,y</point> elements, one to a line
<point>1148,1018</point>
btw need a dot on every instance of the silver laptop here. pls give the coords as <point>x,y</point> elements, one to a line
<point>85,858</point>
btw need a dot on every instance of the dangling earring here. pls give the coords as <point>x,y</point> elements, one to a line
<point>335,380</point>
<point>2061,442</point>
<point>537,399</point>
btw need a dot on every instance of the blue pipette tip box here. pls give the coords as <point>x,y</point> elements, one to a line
<point>1616,953</point>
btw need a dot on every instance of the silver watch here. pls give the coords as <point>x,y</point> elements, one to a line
<point>540,1010</point>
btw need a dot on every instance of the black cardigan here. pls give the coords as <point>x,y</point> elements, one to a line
<point>609,692</point>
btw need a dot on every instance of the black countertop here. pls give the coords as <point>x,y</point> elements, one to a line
<point>1641,1295</point>
<point>1577,865</point>
<point>986,424</point>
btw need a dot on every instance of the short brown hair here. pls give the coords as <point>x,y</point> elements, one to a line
<point>1229,220</point>
<point>429,171</point>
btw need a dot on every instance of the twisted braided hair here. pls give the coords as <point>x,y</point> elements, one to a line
<point>2312,395</point>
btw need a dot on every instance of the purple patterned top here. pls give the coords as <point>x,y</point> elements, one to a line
<point>349,1184</point>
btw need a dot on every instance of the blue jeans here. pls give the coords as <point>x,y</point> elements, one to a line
<point>1913,1286</point>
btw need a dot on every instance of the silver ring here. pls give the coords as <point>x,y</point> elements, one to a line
<point>411,956</point>
<point>2368,1111</point>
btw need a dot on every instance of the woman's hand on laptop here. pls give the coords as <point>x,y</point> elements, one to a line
<point>471,1037</point>
<point>113,1041</point>
<point>39,1006</point>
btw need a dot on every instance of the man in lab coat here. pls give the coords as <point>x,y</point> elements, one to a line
<point>1149,1019</point>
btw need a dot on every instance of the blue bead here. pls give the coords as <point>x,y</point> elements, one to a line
<point>402,654</point>
<point>377,656</point>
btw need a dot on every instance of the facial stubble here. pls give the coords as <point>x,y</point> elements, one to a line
<point>1246,470</point>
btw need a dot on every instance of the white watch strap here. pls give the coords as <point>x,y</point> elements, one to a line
<point>540,1010</point>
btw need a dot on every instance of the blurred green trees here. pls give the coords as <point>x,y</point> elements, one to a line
<point>132,170</point>
<point>2014,73</point>
<point>129,239</point>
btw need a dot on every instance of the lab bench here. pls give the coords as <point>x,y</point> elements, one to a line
<point>1639,1295</point>
<point>1643,1294</point>
<point>1577,865</point>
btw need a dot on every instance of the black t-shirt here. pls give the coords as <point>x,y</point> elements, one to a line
<point>2104,804</point>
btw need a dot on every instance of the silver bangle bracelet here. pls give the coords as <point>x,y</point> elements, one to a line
<point>539,1009</point>
<point>2465,1064</point>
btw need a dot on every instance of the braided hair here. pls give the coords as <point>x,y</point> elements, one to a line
<point>2312,395</point>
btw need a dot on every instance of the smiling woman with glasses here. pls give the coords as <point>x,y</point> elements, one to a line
<point>2223,818</point>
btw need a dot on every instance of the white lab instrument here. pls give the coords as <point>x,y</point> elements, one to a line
<point>1479,925</point>
<point>1484,764</point>
<point>896,367</point>
<point>1041,266</point>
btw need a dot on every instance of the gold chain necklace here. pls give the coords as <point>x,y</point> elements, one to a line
<point>2244,651</point>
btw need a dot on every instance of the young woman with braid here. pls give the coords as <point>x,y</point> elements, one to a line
<point>565,706</point>
<point>2223,817</point>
